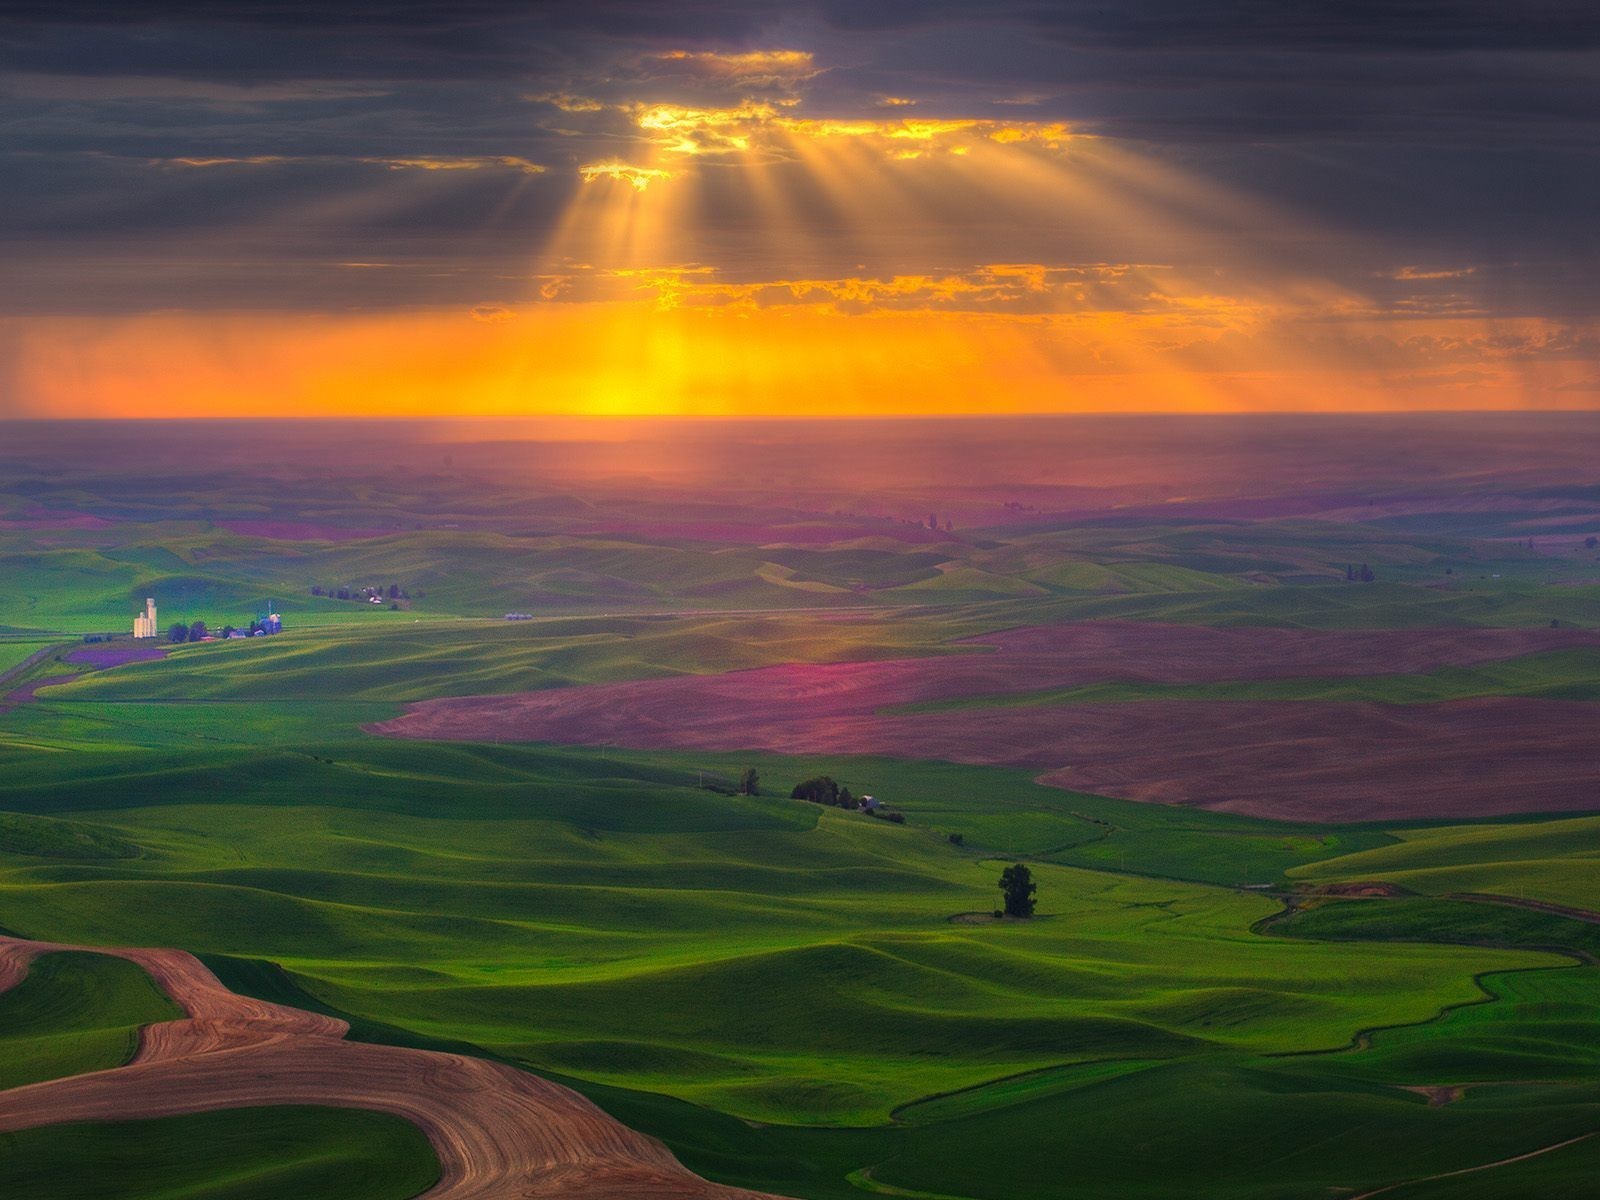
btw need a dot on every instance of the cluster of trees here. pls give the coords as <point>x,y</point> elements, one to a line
<point>1361,574</point>
<point>821,789</point>
<point>393,592</point>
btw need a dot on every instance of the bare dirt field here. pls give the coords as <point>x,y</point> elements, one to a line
<point>1317,761</point>
<point>101,657</point>
<point>499,1133</point>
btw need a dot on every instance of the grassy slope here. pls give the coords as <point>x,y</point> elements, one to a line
<point>235,1154</point>
<point>799,965</point>
<point>13,653</point>
<point>1554,861</point>
<point>74,1013</point>
<point>433,658</point>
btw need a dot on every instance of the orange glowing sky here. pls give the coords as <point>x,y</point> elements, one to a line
<point>710,231</point>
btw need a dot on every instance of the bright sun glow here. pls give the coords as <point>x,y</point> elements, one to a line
<point>755,257</point>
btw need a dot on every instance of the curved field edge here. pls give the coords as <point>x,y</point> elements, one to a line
<point>709,1133</point>
<point>310,1153</point>
<point>495,1132</point>
<point>73,1013</point>
<point>1024,1113</point>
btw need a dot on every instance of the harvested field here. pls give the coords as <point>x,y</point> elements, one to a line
<point>25,693</point>
<point>499,1133</point>
<point>101,657</point>
<point>1307,760</point>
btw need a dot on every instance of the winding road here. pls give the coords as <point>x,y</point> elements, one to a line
<point>499,1133</point>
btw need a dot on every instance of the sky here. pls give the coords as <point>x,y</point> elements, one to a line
<point>836,208</point>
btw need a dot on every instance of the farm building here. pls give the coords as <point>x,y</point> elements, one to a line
<point>144,624</point>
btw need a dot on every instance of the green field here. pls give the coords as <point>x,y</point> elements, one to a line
<point>14,653</point>
<point>799,965</point>
<point>1554,861</point>
<point>799,999</point>
<point>234,1154</point>
<point>74,1013</point>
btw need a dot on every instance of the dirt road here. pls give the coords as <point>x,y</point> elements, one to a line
<point>499,1133</point>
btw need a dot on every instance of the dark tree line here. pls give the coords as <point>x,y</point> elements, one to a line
<point>821,789</point>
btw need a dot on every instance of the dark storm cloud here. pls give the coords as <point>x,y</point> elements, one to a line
<point>1461,70</point>
<point>1277,24</point>
<point>1457,133</point>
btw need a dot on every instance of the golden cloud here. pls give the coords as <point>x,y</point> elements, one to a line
<point>1422,274</point>
<point>757,68</point>
<point>1013,288</point>
<point>475,163</point>
<point>566,101</point>
<point>751,125</point>
<point>638,177</point>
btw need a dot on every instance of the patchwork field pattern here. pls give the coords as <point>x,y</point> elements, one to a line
<point>1315,854</point>
<point>1307,760</point>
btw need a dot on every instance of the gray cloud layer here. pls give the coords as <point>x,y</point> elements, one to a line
<point>1452,134</point>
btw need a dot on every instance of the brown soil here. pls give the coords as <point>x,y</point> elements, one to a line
<point>1361,890</point>
<point>103,657</point>
<point>25,693</point>
<point>499,1133</point>
<point>1314,761</point>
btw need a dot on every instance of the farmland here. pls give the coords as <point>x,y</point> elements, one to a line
<point>1388,980</point>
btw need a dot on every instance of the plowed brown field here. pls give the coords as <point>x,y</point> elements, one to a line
<point>1311,760</point>
<point>499,1133</point>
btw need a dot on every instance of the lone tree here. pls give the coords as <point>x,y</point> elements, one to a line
<point>749,783</point>
<point>198,631</point>
<point>178,633</point>
<point>1018,888</point>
